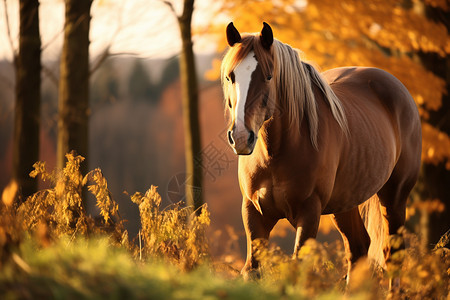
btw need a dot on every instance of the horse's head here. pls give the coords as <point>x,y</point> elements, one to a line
<point>247,70</point>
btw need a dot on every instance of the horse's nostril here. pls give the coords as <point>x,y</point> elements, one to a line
<point>230,138</point>
<point>251,138</point>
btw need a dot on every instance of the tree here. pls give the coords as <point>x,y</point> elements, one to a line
<point>139,83</point>
<point>436,176</point>
<point>170,73</point>
<point>28,90</point>
<point>410,39</point>
<point>189,86</point>
<point>73,99</point>
<point>105,85</point>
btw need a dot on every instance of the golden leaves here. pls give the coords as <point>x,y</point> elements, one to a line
<point>108,207</point>
<point>443,4</point>
<point>60,208</point>
<point>9,193</point>
<point>424,272</point>
<point>214,73</point>
<point>435,145</point>
<point>386,22</point>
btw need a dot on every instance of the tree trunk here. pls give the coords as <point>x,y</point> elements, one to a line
<point>436,178</point>
<point>28,98</point>
<point>74,83</point>
<point>73,97</point>
<point>189,87</point>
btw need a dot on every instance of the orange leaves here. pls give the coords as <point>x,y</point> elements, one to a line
<point>389,23</point>
<point>435,146</point>
<point>430,206</point>
<point>214,73</point>
<point>443,4</point>
<point>9,193</point>
<point>412,32</point>
<point>425,87</point>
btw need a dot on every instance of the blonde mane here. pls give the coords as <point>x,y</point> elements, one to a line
<point>294,82</point>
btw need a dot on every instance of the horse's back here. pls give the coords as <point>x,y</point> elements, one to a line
<point>388,89</point>
<point>384,127</point>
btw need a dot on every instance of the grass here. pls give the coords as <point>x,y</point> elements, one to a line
<point>51,249</point>
<point>95,269</point>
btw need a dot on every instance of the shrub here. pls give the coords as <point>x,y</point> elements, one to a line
<point>61,210</point>
<point>175,233</point>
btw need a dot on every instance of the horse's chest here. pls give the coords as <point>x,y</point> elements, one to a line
<point>270,194</point>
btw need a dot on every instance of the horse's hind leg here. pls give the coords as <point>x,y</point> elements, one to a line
<point>354,234</point>
<point>393,197</point>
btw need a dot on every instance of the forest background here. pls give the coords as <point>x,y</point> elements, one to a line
<point>135,115</point>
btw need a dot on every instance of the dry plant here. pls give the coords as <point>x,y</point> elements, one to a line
<point>320,268</point>
<point>422,273</point>
<point>316,270</point>
<point>60,208</point>
<point>176,233</point>
<point>10,227</point>
<point>55,219</point>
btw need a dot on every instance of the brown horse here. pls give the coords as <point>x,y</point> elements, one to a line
<point>312,144</point>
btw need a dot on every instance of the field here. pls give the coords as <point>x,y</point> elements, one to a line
<point>51,249</point>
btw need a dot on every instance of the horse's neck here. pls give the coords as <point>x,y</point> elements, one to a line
<point>277,134</point>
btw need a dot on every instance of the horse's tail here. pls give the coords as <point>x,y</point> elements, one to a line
<point>374,222</point>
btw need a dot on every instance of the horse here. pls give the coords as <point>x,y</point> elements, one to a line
<point>345,142</point>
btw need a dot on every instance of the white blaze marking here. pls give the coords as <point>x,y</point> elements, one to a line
<point>242,75</point>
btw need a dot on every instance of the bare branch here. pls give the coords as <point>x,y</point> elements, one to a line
<point>8,30</point>
<point>170,5</point>
<point>101,59</point>
<point>105,55</point>
<point>123,53</point>
<point>55,37</point>
<point>106,52</point>
<point>50,74</point>
<point>52,40</point>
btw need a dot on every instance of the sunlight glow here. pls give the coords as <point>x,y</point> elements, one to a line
<point>143,28</point>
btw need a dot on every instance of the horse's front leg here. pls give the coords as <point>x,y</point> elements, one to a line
<point>257,226</point>
<point>307,223</point>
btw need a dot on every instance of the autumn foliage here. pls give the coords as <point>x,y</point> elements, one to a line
<point>384,34</point>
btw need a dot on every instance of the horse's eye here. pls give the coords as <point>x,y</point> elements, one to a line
<point>269,77</point>
<point>230,77</point>
<point>229,103</point>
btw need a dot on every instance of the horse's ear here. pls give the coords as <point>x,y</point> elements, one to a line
<point>266,36</point>
<point>233,35</point>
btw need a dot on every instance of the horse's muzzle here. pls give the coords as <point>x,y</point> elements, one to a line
<point>242,141</point>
